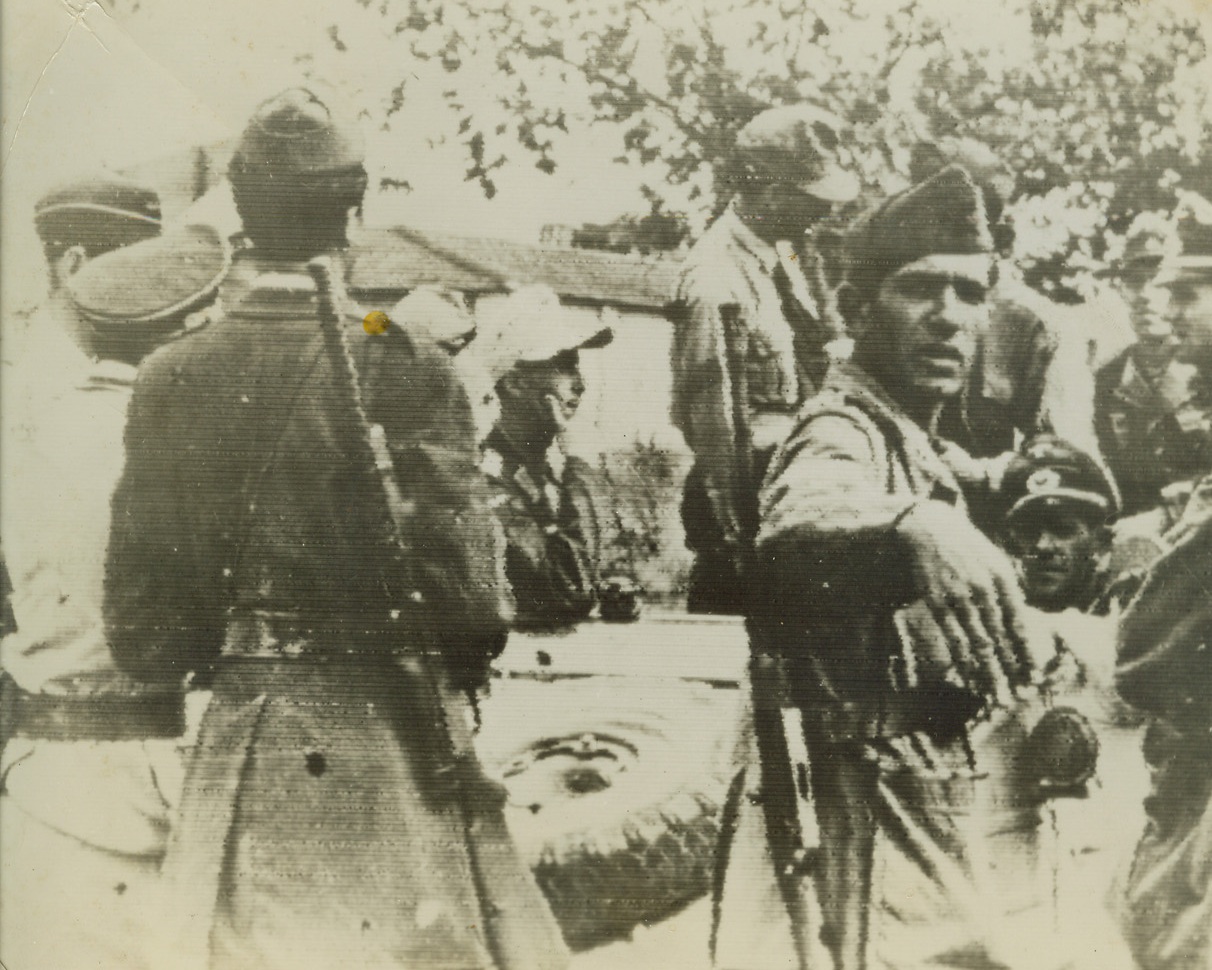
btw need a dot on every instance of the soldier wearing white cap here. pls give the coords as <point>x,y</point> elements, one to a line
<point>544,497</point>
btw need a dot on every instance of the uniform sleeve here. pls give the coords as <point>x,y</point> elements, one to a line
<point>1164,661</point>
<point>160,615</point>
<point>548,569</point>
<point>456,548</point>
<point>828,541</point>
<point>703,408</point>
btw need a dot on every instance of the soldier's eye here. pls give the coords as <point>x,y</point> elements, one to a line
<point>918,287</point>
<point>971,292</point>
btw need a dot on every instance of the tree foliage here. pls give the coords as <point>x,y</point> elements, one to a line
<point>1102,107</point>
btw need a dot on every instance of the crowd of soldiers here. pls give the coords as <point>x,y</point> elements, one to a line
<point>230,486</point>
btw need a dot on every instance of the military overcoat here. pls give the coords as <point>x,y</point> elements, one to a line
<point>250,551</point>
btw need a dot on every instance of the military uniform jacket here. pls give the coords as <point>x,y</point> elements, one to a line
<point>1164,669</point>
<point>929,842</point>
<point>551,530</point>
<point>830,568</point>
<point>787,329</point>
<point>249,548</point>
<point>1152,433</point>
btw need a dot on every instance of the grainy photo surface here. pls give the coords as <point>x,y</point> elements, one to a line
<point>606,485</point>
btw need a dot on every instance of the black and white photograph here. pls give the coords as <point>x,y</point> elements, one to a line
<point>606,485</point>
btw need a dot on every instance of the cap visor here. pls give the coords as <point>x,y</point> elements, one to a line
<point>1054,497</point>
<point>836,185</point>
<point>974,265</point>
<point>566,337</point>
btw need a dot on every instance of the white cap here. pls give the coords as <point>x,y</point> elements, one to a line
<point>530,325</point>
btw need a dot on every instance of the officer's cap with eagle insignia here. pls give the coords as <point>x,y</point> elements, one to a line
<point>1050,471</point>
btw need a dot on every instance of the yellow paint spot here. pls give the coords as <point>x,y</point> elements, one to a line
<point>376,322</point>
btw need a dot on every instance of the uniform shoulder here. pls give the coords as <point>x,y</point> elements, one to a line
<point>167,360</point>
<point>713,271</point>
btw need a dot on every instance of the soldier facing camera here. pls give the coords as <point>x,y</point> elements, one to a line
<point>1058,502</point>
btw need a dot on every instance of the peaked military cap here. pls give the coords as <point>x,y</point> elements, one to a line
<point>98,213</point>
<point>139,296</point>
<point>943,216</point>
<point>295,134</point>
<point>798,143</point>
<point>1053,472</point>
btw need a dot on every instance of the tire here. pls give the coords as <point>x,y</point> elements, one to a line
<point>616,786</point>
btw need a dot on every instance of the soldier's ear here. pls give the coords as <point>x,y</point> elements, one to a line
<point>69,263</point>
<point>509,386</point>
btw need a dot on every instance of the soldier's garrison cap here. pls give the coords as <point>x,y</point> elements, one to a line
<point>797,143</point>
<point>943,217</point>
<point>295,135</point>
<point>99,213</point>
<point>138,296</point>
<point>1050,471</point>
<point>988,171</point>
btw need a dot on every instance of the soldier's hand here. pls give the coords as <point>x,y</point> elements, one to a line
<point>926,654</point>
<point>970,587</point>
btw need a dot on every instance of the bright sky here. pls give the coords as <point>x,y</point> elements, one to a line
<point>83,91</point>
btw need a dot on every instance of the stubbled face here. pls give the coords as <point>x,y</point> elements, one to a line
<point>1191,310</point>
<point>1057,550</point>
<point>544,396</point>
<point>925,325</point>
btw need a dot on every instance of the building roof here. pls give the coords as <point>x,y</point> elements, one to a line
<point>399,259</point>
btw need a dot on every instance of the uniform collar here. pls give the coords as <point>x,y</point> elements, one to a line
<point>748,240</point>
<point>1174,388</point>
<point>851,380</point>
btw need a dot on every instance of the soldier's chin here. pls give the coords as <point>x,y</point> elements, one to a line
<point>1046,591</point>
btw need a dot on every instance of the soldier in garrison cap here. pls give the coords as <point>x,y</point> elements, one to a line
<point>756,270</point>
<point>545,498</point>
<point>1031,374</point>
<point>333,813</point>
<point>84,733</point>
<point>901,628</point>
